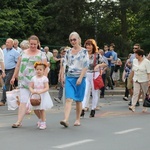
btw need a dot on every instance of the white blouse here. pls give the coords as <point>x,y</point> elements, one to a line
<point>141,70</point>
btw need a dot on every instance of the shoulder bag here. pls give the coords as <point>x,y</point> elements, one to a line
<point>98,82</point>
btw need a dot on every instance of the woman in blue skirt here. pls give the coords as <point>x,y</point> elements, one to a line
<point>75,65</point>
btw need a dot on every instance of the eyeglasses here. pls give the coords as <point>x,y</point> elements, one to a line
<point>135,48</point>
<point>73,40</point>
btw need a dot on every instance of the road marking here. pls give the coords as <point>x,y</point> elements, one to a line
<point>127,131</point>
<point>73,143</point>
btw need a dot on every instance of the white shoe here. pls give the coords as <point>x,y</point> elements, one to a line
<point>42,125</point>
<point>57,100</point>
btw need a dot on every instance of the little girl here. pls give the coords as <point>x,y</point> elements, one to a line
<point>39,85</point>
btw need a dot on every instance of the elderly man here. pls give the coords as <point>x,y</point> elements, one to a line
<point>48,54</point>
<point>16,47</point>
<point>10,60</point>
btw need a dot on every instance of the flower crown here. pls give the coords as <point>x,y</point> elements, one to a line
<point>40,63</point>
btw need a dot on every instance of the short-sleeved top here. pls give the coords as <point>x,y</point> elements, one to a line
<point>74,63</point>
<point>27,71</point>
<point>131,58</point>
<point>39,82</point>
<point>141,70</point>
<point>114,55</point>
<point>53,63</point>
<point>93,62</point>
<point>49,55</point>
<point>1,56</point>
<point>10,58</point>
<point>108,54</point>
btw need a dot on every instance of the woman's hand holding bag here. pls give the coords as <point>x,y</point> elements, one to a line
<point>13,98</point>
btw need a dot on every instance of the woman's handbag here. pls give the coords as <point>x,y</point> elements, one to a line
<point>13,99</point>
<point>146,102</point>
<point>35,99</point>
<point>98,82</point>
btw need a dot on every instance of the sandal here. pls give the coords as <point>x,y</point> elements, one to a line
<point>132,108</point>
<point>16,125</point>
<point>77,123</point>
<point>144,110</point>
<point>65,124</point>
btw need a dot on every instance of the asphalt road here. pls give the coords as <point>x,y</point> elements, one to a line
<point>113,128</point>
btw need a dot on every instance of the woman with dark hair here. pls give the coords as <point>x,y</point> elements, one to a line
<point>141,77</point>
<point>95,63</point>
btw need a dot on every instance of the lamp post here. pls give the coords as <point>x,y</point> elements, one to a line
<point>95,16</point>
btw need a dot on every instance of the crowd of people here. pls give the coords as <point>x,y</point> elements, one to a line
<point>72,69</point>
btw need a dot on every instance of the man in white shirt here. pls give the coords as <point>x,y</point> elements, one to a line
<point>48,54</point>
<point>16,47</point>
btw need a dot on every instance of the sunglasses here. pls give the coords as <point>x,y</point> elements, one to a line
<point>135,48</point>
<point>73,40</point>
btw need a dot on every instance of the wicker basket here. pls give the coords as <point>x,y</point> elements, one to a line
<point>35,101</point>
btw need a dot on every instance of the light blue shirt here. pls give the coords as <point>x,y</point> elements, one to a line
<point>131,58</point>
<point>114,54</point>
<point>10,58</point>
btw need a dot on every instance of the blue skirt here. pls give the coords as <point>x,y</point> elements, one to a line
<point>73,91</point>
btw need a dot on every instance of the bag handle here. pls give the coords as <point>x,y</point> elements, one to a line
<point>100,71</point>
<point>35,94</point>
<point>12,86</point>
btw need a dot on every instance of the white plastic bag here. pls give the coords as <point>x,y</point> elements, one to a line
<point>13,99</point>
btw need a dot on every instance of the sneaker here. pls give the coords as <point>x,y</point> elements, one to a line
<point>42,125</point>
<point>125,98</point>
<point>57,100</point>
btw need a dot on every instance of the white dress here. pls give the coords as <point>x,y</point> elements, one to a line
<point>46,101</point>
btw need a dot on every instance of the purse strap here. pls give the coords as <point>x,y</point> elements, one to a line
<point>100,72</point>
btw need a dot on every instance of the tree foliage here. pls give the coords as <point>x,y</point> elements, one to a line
<point>122,22</point>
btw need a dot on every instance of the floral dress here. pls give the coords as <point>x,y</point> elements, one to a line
<point>27,70</point>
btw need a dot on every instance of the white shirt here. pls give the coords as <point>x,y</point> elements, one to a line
<point>18,49</point>
<point>1,56</point>
<point>49,55</point>
<point>141,70</point>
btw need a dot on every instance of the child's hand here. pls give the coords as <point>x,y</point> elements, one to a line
<point>39,92</point>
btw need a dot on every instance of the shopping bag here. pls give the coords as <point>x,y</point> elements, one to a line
<point>13,99</point>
